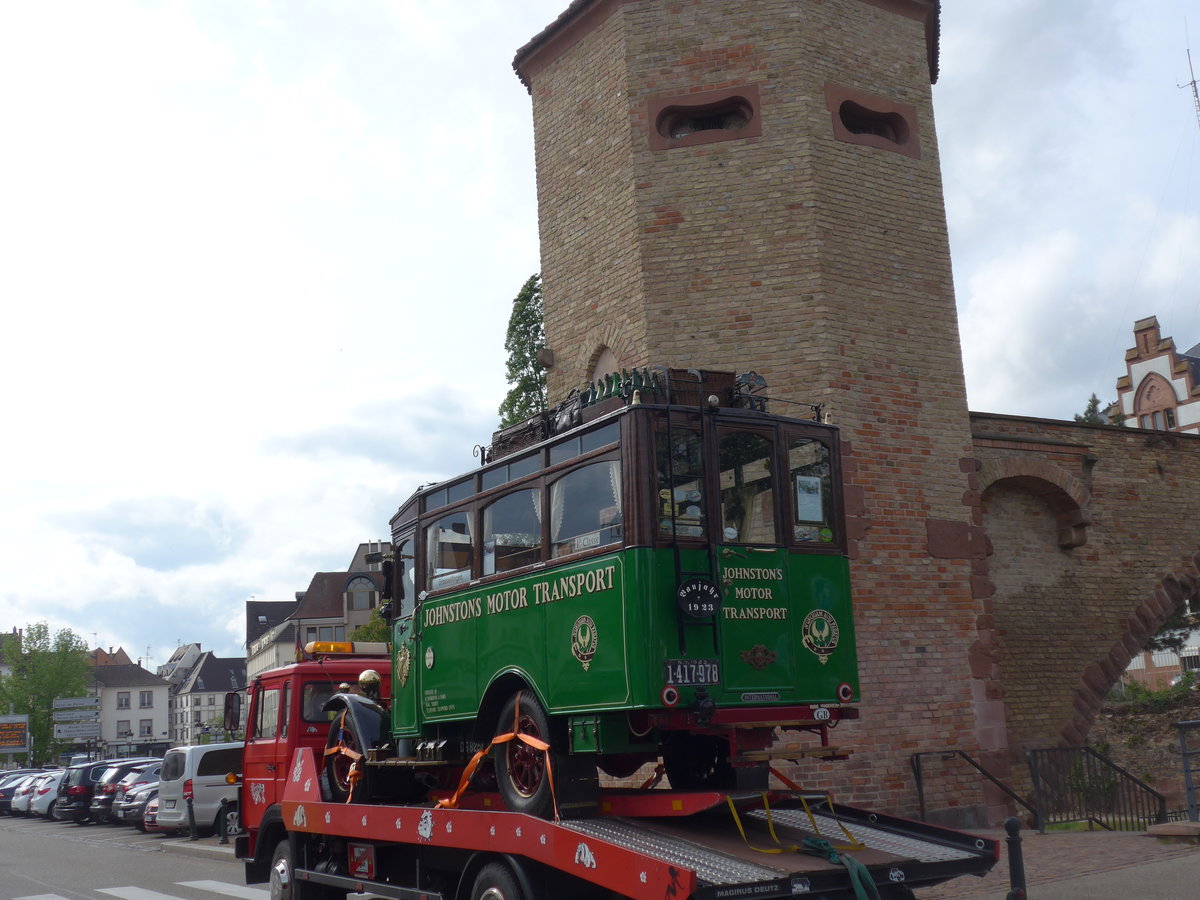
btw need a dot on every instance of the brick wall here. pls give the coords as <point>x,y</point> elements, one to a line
<point>820,263</point>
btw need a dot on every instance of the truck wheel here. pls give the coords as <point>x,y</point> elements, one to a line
<point>281,871</point>
<point>495,881</point>
<point>697,761</point>
<point>520,768</point>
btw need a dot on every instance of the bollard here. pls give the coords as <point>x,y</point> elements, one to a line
<point>1016,860</point>
<point>222,825</point>
<point>194,835</point>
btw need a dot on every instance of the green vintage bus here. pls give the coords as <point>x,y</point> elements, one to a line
<point>655,570</point>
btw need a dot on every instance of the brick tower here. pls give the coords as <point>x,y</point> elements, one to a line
<point>755,185</point>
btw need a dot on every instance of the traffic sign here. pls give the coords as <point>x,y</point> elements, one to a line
<point>75,715</point>
<point>78,730</point>
<point>68,702</point>
<point>14,732</point>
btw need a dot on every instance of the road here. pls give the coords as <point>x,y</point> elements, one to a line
<point>42,860</point>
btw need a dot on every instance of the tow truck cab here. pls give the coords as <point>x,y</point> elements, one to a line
<point>286,711</point>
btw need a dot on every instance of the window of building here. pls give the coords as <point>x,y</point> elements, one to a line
<point>871,120</point>
<point>145,699</point>
<point>146,728</point>
<point>1154,404</point>
<point>705,117</point>
<point>196,717</point>
<point>512,532</point>
<point>212,699</point>
<point>361,594</point>
<point>123,700</point>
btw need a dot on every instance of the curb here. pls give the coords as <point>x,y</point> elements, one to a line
<point>208,848</point>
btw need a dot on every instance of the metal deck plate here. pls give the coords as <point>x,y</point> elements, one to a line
<point>876,838</point>
<point>710,866</point>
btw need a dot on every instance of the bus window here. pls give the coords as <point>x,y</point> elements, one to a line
<point>512,532</point>
<point>448,550</point>
<point>747,507</point>
<point>585,508</point>
<point>680,464</point>
<point>405,573</point>
<point>810,480</point>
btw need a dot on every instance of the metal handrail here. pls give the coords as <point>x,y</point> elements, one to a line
<point>1077,784</point>
<point>946,756</point>
<point>1186,753</point>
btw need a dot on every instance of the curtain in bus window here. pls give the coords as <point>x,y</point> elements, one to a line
<point>747,502</point>
<point>512,532</point>
<point>585,508</point>
<point>449,551</point>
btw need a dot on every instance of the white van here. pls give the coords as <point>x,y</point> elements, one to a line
<point>199,772</point>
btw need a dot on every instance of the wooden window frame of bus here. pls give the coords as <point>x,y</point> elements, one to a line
<point>476,503</point>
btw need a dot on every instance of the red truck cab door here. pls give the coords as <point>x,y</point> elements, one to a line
<point>264,758</point>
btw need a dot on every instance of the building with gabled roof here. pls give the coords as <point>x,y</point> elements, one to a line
<point>1160,389</point>
<point>270,635</point>
<point>335,603</point>
<point>197,711</point>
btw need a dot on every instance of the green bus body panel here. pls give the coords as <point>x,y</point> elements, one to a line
<point>594,635</point>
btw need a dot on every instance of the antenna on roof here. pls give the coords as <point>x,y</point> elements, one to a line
<point>1192,83</point>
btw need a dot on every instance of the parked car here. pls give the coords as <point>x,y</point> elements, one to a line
<point>8,785</point>
<point>45,795</point>
<point>100,810</point>
<point>202,773</point>
<point>150,816</point>
<point>132,810</point>
<point>23,795</point>
<point>138,777</point>
<point>76,788</point>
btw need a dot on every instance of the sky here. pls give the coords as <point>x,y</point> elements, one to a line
<point>257,259</point>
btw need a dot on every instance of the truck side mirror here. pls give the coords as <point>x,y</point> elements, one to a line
<point>233,712</point>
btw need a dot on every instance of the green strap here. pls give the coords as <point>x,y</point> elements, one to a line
<point>860,875</point>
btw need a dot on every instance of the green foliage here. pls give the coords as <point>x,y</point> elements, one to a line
<point>525,337</point>
<point>1144,700</point>
<point>374,629</point>
<point>1091,413</point>
<point>1174,632</point>
<point>44,668</point>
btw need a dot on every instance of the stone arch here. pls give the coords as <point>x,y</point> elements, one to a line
<point>1061,491</point>
<point>1149,615</point>
<point>1154,403</point>
<point>601,340</point>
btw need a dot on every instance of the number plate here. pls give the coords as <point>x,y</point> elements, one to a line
<point>691,671</point>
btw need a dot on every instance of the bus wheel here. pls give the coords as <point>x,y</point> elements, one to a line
<point>697,761</point>
<point>521,768</point>
<point>496,882</point>
<point>345,760</point>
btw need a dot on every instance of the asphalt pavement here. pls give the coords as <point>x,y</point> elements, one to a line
<point>1078,865</point>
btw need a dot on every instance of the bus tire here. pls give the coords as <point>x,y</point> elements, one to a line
<point>521,769</point>
<point>341,770</point>
<point>281,871</point>
<point>496,881</point>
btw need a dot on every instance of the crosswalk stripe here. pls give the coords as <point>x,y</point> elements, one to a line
<point>136,893</point>
<point>41,897</point>
<point>225,889</point>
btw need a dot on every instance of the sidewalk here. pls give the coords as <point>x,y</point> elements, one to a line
<point>1086,865</point>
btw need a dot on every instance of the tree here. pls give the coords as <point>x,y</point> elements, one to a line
<point>44,668</point>
<point>1091,414</point>
<point>375,629</point>
<point>526,335</point>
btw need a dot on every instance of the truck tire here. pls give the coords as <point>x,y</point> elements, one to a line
<point>281,871</point>
<point>521,769</point>
<point>496,881</point>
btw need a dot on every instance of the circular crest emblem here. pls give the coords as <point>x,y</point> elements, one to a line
<point>429,655</point>
<point>698,598</point>
<point>583,640</point>
<point>820,633</point>
<point>403,664</point>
